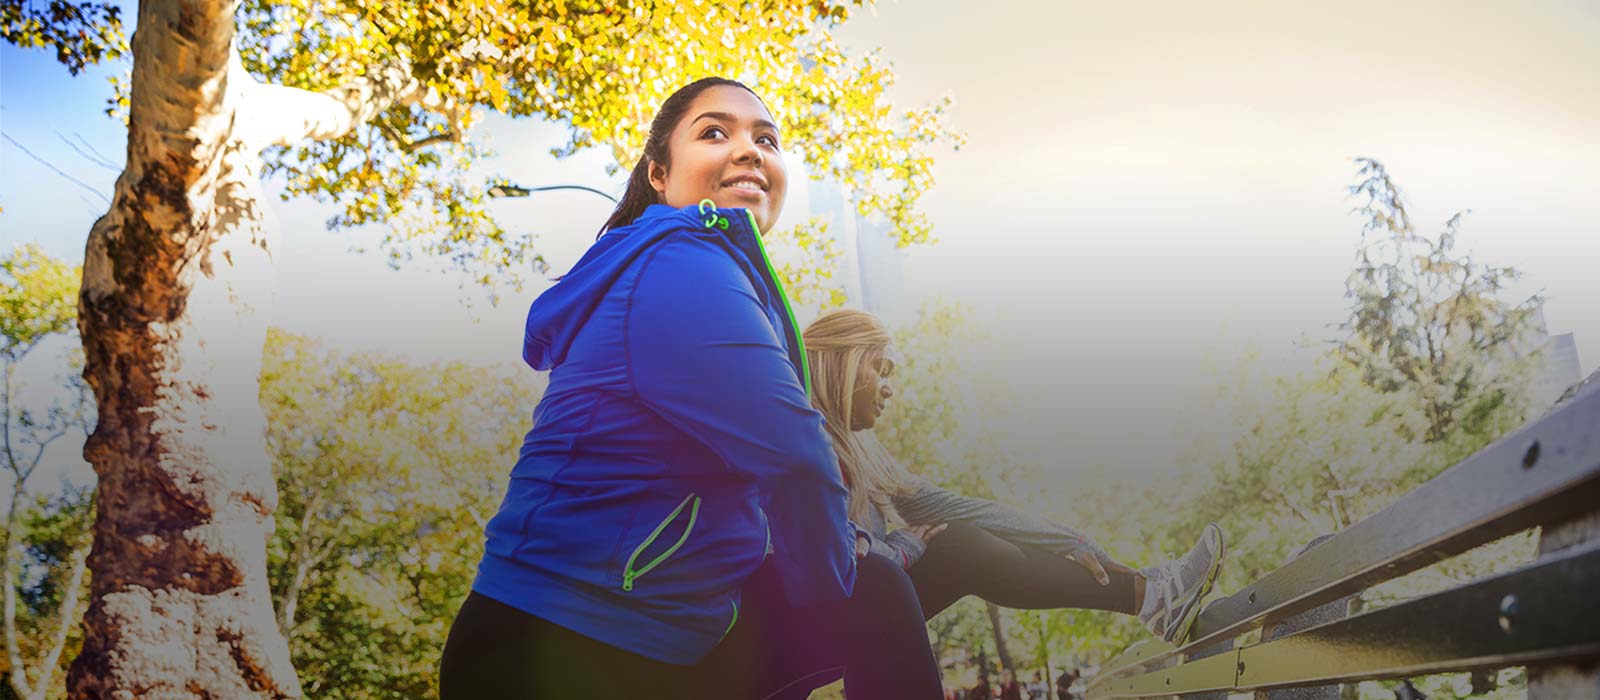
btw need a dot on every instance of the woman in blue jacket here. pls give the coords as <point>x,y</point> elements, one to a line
<point>676,478</point>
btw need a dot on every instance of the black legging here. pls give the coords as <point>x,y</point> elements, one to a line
<point>876,636</point>
<point>967,560</point>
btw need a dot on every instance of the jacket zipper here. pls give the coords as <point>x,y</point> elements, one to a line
<point>732,622</point>
<point>629,575</point>
<point>794,329</point>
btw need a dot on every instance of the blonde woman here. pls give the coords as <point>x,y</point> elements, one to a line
<point>953,545</point>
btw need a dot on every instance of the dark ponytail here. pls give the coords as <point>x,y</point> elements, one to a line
<point>640,195</point>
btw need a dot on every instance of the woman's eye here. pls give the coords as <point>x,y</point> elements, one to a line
<point>771,140</point>
<point>713,130</point>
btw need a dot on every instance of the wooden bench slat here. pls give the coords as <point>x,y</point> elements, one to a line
<point>1485,497</point>
<point>1555,615</point>
<point>1545,472</point>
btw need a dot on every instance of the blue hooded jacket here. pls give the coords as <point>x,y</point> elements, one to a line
<point>674,446</point>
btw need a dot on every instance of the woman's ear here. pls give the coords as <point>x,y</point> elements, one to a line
<point>658,178</point>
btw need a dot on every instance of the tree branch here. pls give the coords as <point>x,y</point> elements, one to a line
<point>289,115</point>
<point>5,426</point>
<point>410,146</point>
<point>294,115</point>
<point>413,146</point>
<point>18,675</point>
<point>306,557</point>
<point>25,474</point>
<point>66,614</point>
<point>1289,503</point>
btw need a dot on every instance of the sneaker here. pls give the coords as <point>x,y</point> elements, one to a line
<point>1179,585</point>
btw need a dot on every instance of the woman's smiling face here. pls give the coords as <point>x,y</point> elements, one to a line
<point>726,149</point>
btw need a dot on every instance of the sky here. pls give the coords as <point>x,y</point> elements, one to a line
<point>1149,192</point>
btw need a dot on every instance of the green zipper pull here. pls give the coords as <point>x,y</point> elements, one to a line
<point>710,217</point>
<point>627,580</point>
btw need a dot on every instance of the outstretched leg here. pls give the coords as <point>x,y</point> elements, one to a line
<point>967,560</point>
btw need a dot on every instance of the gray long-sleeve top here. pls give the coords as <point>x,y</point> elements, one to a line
<point>922,503</point>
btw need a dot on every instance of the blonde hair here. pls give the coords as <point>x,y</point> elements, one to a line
<point>838,344</point>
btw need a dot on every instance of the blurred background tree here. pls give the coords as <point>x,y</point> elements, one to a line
<point>45,541</point>
<point>387,473</point>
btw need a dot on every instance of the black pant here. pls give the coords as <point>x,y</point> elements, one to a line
<point>876,636</point>
<point>967,560</point>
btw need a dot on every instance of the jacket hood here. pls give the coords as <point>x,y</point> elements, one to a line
<point>557,315</point>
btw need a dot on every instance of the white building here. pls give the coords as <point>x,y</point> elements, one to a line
<point>872,269</point>
<point>1561,366</point>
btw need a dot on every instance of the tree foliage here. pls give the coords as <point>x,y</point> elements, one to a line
<point>1432,364</point>
<point>599,67</point>
<point>80,33</point>
<point>39,299</point>
<point>52,537</point>
<point>1430,322</point>
<point>45,538</point>
<point>806,259</point>
<point>386,473</point>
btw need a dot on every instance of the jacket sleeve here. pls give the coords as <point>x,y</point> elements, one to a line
<point>705,357</point>
<point>901,547</point>
<point>922,503</point>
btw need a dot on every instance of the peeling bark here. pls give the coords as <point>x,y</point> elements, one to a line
<point>177,283</point>
<point>177,280</point>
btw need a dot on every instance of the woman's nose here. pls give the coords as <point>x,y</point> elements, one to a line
<point>749,152</point>
<point>887,390</point>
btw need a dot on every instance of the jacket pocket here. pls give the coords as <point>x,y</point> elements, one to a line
<point>639,563</point>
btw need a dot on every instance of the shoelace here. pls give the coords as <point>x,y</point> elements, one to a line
<point>1160,582</point>
<point>1173,584</point>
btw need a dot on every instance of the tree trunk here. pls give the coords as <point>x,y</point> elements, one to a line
<point>1484,682</point>
<point>177,280</point>
<point>1044,645</point>
<point>18,677</point>
<point>1000,648</point>
<point>303,558</point>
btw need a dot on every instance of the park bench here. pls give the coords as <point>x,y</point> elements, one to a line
<point>1545,616</point>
